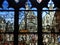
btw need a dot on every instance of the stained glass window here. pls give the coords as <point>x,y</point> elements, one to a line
<point>6,24</point>
<point>28,18</point>
<point>48,16</point>
<point>50,21</point>
<point>23,21</point>
<point>29,39</point>
<point>28,25</point>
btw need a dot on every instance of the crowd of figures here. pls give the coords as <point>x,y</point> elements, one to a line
<point>51,39</point>
<point>28,39</point>
<point>6,39</point>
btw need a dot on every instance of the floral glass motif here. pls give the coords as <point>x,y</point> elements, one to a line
<point>28,19</point>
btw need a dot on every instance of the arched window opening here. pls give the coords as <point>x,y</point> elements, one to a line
<point>6,24</point>
<point>28,25</point>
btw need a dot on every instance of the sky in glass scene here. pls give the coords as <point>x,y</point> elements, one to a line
<point>21,14</point>
<point>8,16</point>
<point>50,4</point>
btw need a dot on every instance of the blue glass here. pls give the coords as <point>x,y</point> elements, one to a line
<point>59,39</point>
<point>28,3</point>
<point>28,6</point>
<point>35,12</point>
<point>33,16</point>
<point>5,5</point>
<point>50,3</point>
<point>30,16</point>
<point>22,8</point>
<point>34,8</point>
<point>47,16</point>
<point>8,16</point>
<point>50,7</point>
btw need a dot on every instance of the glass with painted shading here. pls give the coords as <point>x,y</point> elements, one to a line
<point>28,19</point>
<point>6,18</point>
<point>28,39</point>
<point>48,18</point>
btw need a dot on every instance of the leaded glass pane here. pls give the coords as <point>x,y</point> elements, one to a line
<point>48,17</point>
<point>28,39</point>
<point>28,19</point>
<point>6,24</point>
<point>6,39</point>
<point>51,39</point>
<point>7,21</point>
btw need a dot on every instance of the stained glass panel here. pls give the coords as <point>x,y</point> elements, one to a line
<point>6,21</point>
<point>51,39</point>
<point>48,18</point>
<point>28,19</point>
<point>6,39</point>
<point>28,39</point>
<point>6,24</point>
